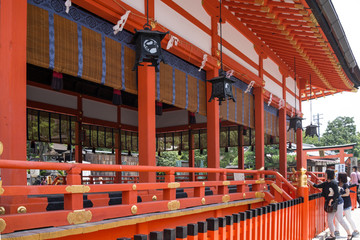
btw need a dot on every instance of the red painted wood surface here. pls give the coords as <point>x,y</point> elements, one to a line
<point>36,217</point>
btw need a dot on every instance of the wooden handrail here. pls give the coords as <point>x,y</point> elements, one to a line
<point>166,191</point>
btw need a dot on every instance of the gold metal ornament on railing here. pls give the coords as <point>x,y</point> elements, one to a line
<point>302,177</point>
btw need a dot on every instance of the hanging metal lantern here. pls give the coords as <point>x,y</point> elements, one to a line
<point>295,123</point>
<point>148,47</point>
<point>311,130</point>
<point>221,88</point>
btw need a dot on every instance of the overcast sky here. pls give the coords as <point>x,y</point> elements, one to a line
<point>341,104</point>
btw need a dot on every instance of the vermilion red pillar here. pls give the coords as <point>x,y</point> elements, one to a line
<point>300,159</point>
<point>13,17</point>
<point>146,118</point>
<point>213,130</point>
<point>282,135</point>
<point>259,128</point>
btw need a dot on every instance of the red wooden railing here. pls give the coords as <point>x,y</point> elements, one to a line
<point>272,222</point>
<point>278,190</point>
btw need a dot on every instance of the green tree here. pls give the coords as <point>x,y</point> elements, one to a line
<point>227,158</point>
<point>167,159</point>
<point>341,131</point>
<point>311,140</point>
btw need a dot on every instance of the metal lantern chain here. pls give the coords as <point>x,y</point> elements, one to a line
<point>295,82</point>
<point>222,85</point>
<point>295,121</point>
<point>311,130</point>
<point>220,21</point>
<point>147,26</point>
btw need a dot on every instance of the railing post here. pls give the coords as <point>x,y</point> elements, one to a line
<point>73,201</point>
<point>303,191</point>
<point>223,189</point>
<point>169,193</point>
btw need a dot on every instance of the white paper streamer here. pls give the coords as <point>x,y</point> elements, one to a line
<point>281,103</point>
<point>67,5</point>
<point>121,23</point>
<point>270,100</point>
<point>173,41</point>
<point>229,73</point>
<point>249,87</point>
<point>203,62</point>
<point>292,112</point>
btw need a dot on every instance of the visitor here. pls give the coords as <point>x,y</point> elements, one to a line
<point>345,194</point>
<point>332,198</point>
<point>355,177</point>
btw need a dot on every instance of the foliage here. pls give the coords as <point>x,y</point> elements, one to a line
<point>341,131</point>
<point>169,158</point>
<point>311,140</point>
<point>227,158</point>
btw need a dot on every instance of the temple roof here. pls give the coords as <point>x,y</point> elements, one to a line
<point>308,31</point>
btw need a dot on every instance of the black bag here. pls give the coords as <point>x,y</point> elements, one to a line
<point>332,207</point>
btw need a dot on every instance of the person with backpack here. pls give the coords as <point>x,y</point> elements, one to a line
<point>355,179</point>
<point>334,204</point>
<point>345,194</point>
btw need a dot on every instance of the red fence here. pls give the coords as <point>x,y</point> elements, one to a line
<point>96,202</point>
<point>277,221</point>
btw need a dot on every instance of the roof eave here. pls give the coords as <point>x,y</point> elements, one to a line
<point>328,20</point>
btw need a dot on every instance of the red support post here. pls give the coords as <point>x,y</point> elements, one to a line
<point>73,201</point>
<point>259,132</point>
<point>146,116</point>
<point>282,134</point>
<point>213,130</point>
<point>303,191</point>
<point>259,127</point>
<point>13,22</point>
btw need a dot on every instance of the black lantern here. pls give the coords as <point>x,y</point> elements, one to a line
<point>221,85</point>
<point>221,88</point>
<point>311,131</point>
<point>148,46</point>
<point>295,123</point>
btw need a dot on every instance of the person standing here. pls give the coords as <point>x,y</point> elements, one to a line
<point>355,178</point>
<point>345,194</point>
<point>331,194</point>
